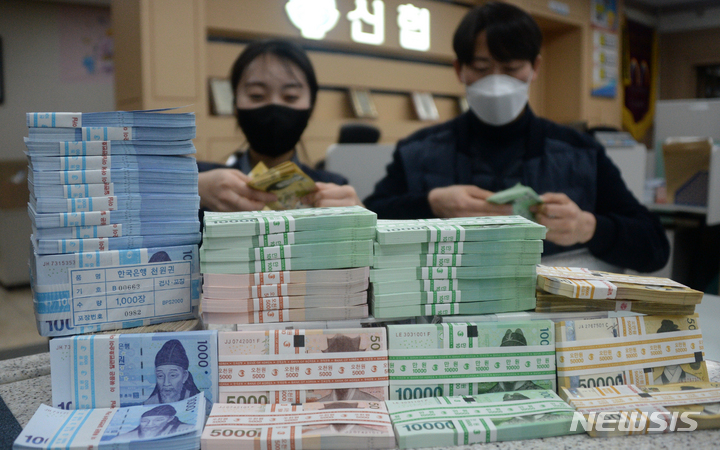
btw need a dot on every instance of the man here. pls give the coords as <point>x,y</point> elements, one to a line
<point>157,422</point>
<point>449,170</point>
<point>173,381</point>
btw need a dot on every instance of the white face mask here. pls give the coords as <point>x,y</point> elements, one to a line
<point>498,99</point>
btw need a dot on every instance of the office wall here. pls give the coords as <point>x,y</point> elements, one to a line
<point>680,53</point>
<point>31,36</point>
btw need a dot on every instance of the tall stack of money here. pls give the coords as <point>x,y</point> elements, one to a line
<point>119,370</point>
<point>176,425</point>
<point>341,425</point>
<point>449,359</point>
<point>640,350</point>
<point>287,266</point>
<point>478,419</point>
<point>476,265</point>
<point>568,289</point>
<point>303,366</point>
<point>632,410</point>
<point>113,205</point>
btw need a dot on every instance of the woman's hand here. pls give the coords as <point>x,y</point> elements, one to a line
<point>226,190</point>
<point>331,194</point>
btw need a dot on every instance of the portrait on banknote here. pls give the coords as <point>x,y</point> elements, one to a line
<point>674,373</point>
<point>514,339</point>
<point>173,380</point>
<point>157,422</point>
<point>341,343</point>
<point>343,428</point>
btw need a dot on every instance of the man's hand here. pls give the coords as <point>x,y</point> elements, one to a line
<point>331,194</point>
<point>566,223</point>
<point>225,190</point>
<point>464,201</point>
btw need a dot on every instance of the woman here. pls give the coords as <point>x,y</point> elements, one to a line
<point>274,90</point>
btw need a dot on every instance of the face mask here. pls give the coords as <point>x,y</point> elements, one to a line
<point>498,99</point>
<point>273,129</point>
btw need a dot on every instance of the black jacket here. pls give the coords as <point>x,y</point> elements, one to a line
<point>553,158</point>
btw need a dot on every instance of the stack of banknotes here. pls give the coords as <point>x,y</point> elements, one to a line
<point>632,410</point>
<point>176,425</point>
<point>478,419</point>
<point>477,265</point>
<point>119,370</point>
<point>303,366</point>
<point>640,350</point>
<point>449,359</point>
<point>114,210</point>
<point>300,265</point>
<point>340,425</point>
<point>569,289</point>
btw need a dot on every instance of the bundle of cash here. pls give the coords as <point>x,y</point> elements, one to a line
<point>476,265</point>
<point>554,303</point>
<point>491,417</point>
<point>351,425</point>
<point>580,283</point>
<point>640,350</point>
<point>526,315</point>
<point>176,425</point>
<point>117,194</point>
<point>368,322</point>
<point>114,370</point>
<point>285,180</point>
<point>448,359</point>
<point>520,197</point>
<point>78,293</point>
<point>299,265</point>
<point>631,410</point>
<point>301,366</point>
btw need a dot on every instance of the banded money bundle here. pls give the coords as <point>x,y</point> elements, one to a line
<point>78,293</point>
<point>300,265</point>
<point>632,410</point>
<point>492,417</point>
<point>303,366</point>
<point>107,182</point>
<point>449,359</point>
<point>578,289</point>
<point>337,425</point>
<point>176,425</point>
<point>641,350</point>
<point>477,265</point>
<point>119,370</point>
<point>527,315</point>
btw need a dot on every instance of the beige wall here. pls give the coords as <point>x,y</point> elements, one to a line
<point>164,58</point>
<point>680,54</point>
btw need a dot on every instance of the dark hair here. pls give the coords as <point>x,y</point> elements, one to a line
<point>285,50</point>
<point>511,33</point>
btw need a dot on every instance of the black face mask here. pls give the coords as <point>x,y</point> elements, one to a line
<point>273,129</point>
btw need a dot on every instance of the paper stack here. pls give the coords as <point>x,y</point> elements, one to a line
<point>338,425</point>
<point>477,265</point>
<point>632,410</point>
<point>641,350</point>
<point>449,359</point>
<point>300,265</point>
<point>570,289</point>
<point>114,370</point>
<point>301,366</point>
<point>113,205</point>
<point>176,425</point>
<point>478,419</point>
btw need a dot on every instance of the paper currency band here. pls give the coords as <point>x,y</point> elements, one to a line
<point>372,417</point>
<point>585,274</point>
<point>276,224</point>
<point>622,399</point>
<point>57,119</point>
<point>628,352</point>
<point>85,148</point>
<point>482,410</point>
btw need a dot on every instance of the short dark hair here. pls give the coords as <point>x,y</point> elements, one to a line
<point>285,50</point>
<point>511,33</point>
